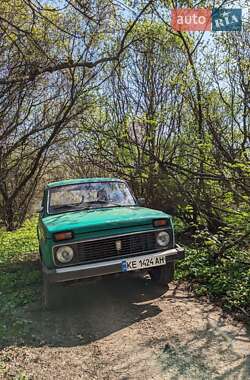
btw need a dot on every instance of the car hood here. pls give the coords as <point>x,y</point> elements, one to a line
<point>101,219</point>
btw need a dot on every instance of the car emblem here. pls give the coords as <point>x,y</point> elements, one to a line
<point>118,245</point>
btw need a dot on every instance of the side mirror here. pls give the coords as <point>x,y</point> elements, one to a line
<point>39,209</point>
<point>141,201</point>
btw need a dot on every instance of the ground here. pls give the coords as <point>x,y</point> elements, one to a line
<point>125,328</point>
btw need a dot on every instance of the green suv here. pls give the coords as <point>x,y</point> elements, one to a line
<point>95,226</point>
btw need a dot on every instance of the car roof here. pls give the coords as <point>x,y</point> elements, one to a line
<point>81,180</point>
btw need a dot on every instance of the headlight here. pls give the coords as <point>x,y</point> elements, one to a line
<point>64,254</point>
<point>162,239</point>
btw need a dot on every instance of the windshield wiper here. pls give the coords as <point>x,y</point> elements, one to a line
<point>80,207</point>
<point>107,203</point>
<point>63,206</point>
<point>70,207</point>
<point>97,201</point>
<point>115,204</point>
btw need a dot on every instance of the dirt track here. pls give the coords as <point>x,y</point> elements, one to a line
<point>127,328</point>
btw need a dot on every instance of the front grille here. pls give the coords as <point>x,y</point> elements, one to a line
<point>97,250</point>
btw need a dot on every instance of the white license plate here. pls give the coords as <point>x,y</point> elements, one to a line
<point>142,262</point>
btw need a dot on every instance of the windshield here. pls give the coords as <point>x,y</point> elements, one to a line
<point>89,195</point>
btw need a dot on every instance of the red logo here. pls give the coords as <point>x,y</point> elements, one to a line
<point>191,20</point>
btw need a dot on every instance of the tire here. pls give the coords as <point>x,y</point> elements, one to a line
<point>51,299</point>
<point>40,259</point>
<point>164,274</point>
<point>40,254</point>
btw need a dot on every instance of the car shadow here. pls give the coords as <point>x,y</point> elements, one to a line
<point>88,311</point>
<point>93,310</point>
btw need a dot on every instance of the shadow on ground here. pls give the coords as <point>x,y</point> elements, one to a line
<point>172,335</point>
<point>211,353</point>
<point>88,310</point>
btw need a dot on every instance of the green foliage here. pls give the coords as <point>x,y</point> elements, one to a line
<point>228,280</point>
<point>178,225</point>
<point>19,286</point>
<point>16,245</point>
<point>218,263</point>
<point>21,376</point>
<point>20,278</point>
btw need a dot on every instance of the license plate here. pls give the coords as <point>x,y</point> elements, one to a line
<point>142,263</point>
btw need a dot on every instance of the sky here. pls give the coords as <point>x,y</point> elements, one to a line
<point>129,11</point>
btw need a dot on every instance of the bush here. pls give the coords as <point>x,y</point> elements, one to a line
<point>227,280</point>
<point>15,245</point>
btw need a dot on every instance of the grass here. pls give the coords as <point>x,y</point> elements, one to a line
<point>227,281</point>
<point>17,245</point>
<point>20,277</point>
<point>19,287</point>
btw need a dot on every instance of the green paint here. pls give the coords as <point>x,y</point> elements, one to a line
<point>93,223</point>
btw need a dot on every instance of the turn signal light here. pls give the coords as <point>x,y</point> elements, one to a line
<point>63,236</point>
<point>160,222</point>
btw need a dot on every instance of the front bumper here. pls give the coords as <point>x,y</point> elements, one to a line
<point>99,269</point>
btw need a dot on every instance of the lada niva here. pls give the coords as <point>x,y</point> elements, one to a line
<point>95,226</point>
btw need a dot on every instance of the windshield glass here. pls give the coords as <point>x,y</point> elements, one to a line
<point>89,195</point>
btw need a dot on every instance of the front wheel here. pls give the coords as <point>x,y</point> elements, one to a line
<point>164,274</point>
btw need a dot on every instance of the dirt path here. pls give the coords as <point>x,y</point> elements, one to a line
<point>126,328</point>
